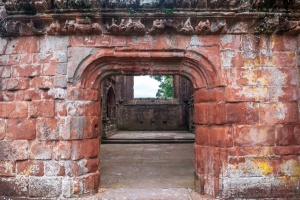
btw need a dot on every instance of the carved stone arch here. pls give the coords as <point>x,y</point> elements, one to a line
<point>194,65</point>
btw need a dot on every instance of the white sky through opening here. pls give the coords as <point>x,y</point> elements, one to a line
<point>144,87</point>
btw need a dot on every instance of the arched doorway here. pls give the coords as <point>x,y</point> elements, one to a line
<point>195,65</point>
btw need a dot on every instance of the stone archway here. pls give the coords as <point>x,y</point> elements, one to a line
<point>202,70</point>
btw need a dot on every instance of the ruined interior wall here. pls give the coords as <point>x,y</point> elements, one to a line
<point>153,115</point>
<point>247,128</point>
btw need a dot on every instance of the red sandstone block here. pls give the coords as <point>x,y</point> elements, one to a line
<point>49,69</point>
<point>202,135</point>
<point>13,109</point>
<point>217,113</point>
<point>278,76</point>
<point>20,110</point>
<point>285,187</point>
<point>22,45</point>
<point>14,187</point>
<point>283,43</point>
<point>41,108</point>
<point>7,168</point>
<point>92,40</point>
<point>273,113</point>
<point>85,149</point>
<point>280,93</point>
<point>209,95</point>
<point>5,71</point>
<point>247,135</point>
<point>27,95</point>
<point>77,126</point>
<point>62,150</point>
<point>89,183</point>
<point>287,135</point>
<point>82,94</point>
<point>40,150</point>
<point>232,59</point>
<point>15,83</point>
<point>45,82</point>
<point>14,150</point>
<point>201,158</point>
<point>287,150</point>
<point>8,95</point>
<point>47,129</point>
<point>251,151</point>
<point>279,59</point>
<point>83,108</point>
<point>30,168</point>
<point>250,42</point>
<point>60,108</point>
<point>201,113</point>
<point>44,187</point>
<point>246,94</point>
<point>229,75</point>
<point>26,70</point>
<point>92,127</point>
<point>54,168</point>
<point>242,113</point>
<point>6,108</point>
<point>231,42</point>
<point>87,166</point>
<point>247,76</point>
<point>168,43</point>
<point>221,136</point>
<point>2,129</point>
<point>19,129</point>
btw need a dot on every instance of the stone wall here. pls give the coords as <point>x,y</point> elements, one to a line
<point>242,58</point>
<point>153,114</point>
<point>247,119</point>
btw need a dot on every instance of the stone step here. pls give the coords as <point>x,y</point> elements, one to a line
<point>146,141</point>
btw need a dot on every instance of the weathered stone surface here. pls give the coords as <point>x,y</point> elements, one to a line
<point>7,168</point>
<point>246,95</point>
<point>14,150</point>
<point>21,129</point>
<point>62,150</point>
<point>41,108</point>
<point>2,129</point>
<point>84,149</point>
<point>40,150</point>
<point>17,186</point>
<point>30,168</point>
<point>44,187</point>
<point>245,135</point>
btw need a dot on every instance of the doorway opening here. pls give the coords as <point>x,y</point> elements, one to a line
<point>143,136</point>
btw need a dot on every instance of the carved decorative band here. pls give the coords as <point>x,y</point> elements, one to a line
<point>269,24</point>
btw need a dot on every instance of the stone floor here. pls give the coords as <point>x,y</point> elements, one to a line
<point>144,135</point>
<point>147,172</point>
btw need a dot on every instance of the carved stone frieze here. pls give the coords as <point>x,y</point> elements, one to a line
<point>163,26</point>
<point>126,27</point>
<point>267,25</point>
<point>205,28</point>
<point>83,26</point>
<point>17,28</point>
<point>186,28</point>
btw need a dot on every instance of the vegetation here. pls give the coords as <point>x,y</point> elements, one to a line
<point>165,87</point>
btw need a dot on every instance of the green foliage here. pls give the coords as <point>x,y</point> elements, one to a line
<point>168,11</point>
<point>165,87</point>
